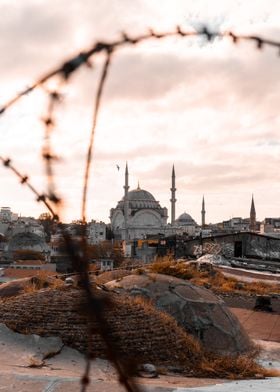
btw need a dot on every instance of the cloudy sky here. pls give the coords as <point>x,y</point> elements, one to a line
<point>211,109</point>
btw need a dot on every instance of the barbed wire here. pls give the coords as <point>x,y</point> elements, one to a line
<point>83,58</point>
<point>24,180</point>
<point>104,74</point>
<point>97,312</point>
<point>97,307</point>
<point>79,257</point>
<point>48,156</point>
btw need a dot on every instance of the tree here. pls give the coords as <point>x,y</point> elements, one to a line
<point>47,222</point>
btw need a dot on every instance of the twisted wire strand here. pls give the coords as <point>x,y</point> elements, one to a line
<point>83,58</point>
<point>97,307</point>
<point>48,156</point>
<point>24,180</point>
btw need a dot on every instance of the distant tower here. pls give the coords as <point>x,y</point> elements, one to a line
<point>203,212</point>
<point>173,199</point>
<point>126,188</point>
<point>252,225</point>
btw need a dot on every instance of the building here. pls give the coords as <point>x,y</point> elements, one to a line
<point>253,223</point>
<point>28,225</point>
<point>6,215</point>
<point>185,224</point>
<point>26,269</point>
<point>28,243</point>
<point>243,244</point>
<point>96,232</point>
<point>139,214</point>
<point>236,224</point>
<point>103,264</point>
<point>271,227</point>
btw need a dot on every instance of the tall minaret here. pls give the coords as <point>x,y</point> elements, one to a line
<point>203,212</point>
<point>252,225</point>
<point>126,188</point>
<point>173,199</point>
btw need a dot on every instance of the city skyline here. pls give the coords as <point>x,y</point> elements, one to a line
<point>211,109</point>
<point>203,206</point>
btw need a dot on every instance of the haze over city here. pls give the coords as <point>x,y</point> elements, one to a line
<point>209,108</point>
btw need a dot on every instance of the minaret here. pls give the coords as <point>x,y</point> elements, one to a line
<point>203,212</point>
<point>126,188</point>
<point>252,225</point>
<point>173,199</point>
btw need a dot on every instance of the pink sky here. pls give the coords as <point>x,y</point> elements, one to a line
<point>212,110</point>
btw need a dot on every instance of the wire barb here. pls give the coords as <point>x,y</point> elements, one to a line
<point>99,92</point>
<point>98,308</point>
<point>73,64</point>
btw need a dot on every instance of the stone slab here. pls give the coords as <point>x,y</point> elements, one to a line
<point>271,385</point>
<point>22,350</point>
<point>259,325</point>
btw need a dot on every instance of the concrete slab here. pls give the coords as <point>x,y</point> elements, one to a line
<point>271,385</point>
<point>275,333</point>
<point>259,325</point>
<point>25,350</point>
<point>9,382</point>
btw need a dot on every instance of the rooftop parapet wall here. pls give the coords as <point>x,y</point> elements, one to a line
<point>248,245</point>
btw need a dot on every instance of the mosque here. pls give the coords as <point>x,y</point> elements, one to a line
<point>138,214</point>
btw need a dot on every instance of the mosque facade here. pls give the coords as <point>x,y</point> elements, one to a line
<point>139,214</point>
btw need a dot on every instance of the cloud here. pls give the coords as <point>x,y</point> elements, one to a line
<point>211,109</point>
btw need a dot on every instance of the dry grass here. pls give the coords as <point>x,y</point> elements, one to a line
<point>139,330</point>
<point>35,363</point>
<point>31,287</point>
<point>42,280</point>
<point>240,367</point>
<point>212,279</point>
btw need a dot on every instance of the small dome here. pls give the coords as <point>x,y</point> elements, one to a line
<point>25,241</point>
<point>185,219</point>
<point>198,310</point>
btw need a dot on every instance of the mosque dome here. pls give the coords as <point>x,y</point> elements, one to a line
<point>140,194</point>
<point>27,241</point>
<point>139,198</point>
<point>185,219</point>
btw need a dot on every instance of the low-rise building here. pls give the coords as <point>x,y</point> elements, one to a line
<point>5,214</point>
<point>96,232</point>
<point>270,226</point>
<point>242,244</point>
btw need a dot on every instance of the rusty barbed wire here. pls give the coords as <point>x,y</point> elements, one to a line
<point>24,180</point>
<point>53,99</point>
<point>97,311</point>
<point>79,257</point>
<point>98,307</point>
<point>83,58</point>
<point>104,74</point>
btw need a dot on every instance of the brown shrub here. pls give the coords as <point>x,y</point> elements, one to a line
<point>139,331</point>
<point>173,268</point>
<point>42,280</point>
<point>214,279</point>
<point>240,367</point>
